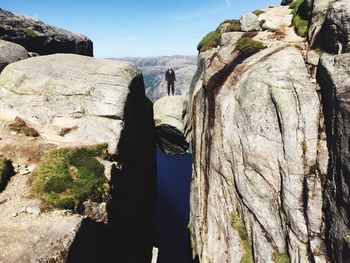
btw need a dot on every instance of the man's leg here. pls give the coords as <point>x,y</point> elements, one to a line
<point>168,88</point>
<point>173,88</point>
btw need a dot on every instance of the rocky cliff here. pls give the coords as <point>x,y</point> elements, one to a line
<point>57,114</point>
<point>41,38</point>
<point>270,162</point>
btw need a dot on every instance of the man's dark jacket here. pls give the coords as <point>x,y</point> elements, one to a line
<point>170,76</point>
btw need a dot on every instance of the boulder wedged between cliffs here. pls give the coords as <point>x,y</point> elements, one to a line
<point>173,128</point>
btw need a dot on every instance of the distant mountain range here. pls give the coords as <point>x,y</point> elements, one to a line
<point>154,69</point>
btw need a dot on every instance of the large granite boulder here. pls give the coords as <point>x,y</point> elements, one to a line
<point>249,22</point>
<point>335,33</point>
<point>60,92</point>
<point>41,38</point>
<point>11,52</point>
<point>67,100</point>
<point>170,116</point>
<point>257,155</point>
<point>276,17</point>
<point>334,78</point>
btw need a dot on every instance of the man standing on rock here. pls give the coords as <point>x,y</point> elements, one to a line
<point>170,78</point>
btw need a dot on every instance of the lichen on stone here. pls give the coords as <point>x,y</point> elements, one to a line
<point>280,257</point>
<point>238,224</point>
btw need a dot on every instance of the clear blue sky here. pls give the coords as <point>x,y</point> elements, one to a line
<point>137,27</point>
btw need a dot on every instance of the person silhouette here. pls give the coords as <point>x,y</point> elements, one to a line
<point>170,78</point>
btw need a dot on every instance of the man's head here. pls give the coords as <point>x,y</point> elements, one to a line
<point>170,67</point>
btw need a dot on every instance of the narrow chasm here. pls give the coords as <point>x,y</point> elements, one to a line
<point>173,208</point>
<point>129,235</point>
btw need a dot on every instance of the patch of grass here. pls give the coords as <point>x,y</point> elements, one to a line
<point>300,24</point>
<point>295,4</point>
<point>258,12</point>
<point>66,177</point>
<point>238,224</point>
<point>280,257</point>
<point>211,40</point>
<point>235,25</point>
<point>28,32</point>
<point>249,46</point>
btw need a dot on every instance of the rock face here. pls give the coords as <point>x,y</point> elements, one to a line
<point>318,9</point>
<point>335,33</point>
<point>72,100</point>
<point>61,92</point>
<point>286,2</point>
<point>154,68</point>
<point>40,38</point>
<point>249,22</point>
<point>10,52</point>
<point>333,76</point>
<point>170,116</point>
<point>276,17</point>
<point>260,155</point>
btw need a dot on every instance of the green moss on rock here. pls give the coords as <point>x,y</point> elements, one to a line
<point>258,12</point>
<point>238,224</point>
<point>29,32</point>
<point>190,232</point>
<point>235,25</point>
<point>249,46</point>
<point>66,177</point>
<point>212,39</point>
<point>300,24</point>
<point>280,257</point>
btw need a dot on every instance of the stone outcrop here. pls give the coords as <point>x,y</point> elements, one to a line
<point>333,77</point>
<point>260,154</point>
<point>318,14</point>
<point>72,100</point>
<point>82,96</point>
<point>170,116</point>
<point>276,17</point>
<point>329,25</point>
<point>335,32</point>
<point>41,38</point>
<point>249,22</point>
<point>11,52</point>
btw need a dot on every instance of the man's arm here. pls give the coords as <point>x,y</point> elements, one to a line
<point>166,76</point>
<point>174,76</point>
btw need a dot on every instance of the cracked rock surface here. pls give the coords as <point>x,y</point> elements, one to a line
<point>260,154</point>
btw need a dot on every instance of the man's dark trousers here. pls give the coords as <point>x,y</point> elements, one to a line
<point>171,85</point>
